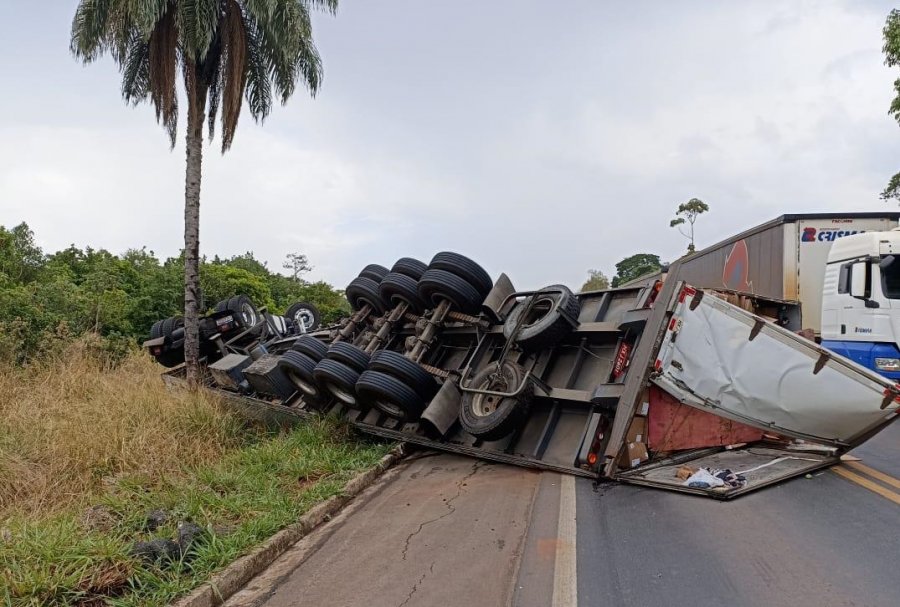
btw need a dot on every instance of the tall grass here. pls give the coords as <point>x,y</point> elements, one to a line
<point>69,427</point>
<point>86,452</point>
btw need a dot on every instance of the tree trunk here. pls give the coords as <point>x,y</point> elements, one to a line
<point>194,145</point>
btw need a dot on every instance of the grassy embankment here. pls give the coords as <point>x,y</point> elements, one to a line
<point>85,454</point>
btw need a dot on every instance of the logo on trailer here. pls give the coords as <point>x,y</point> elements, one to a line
<point>736,273</point>
<point>816,235</point>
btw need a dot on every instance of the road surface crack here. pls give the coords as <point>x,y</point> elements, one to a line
<point>416,586</point>
<point>450,508</point>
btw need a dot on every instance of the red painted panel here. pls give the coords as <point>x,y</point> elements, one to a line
<point>673,426</point>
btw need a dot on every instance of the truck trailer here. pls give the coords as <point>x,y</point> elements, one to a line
<point>799,270</point>
<point>662,384</point>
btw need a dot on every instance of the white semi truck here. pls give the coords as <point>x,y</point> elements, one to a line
<point>833,274</point>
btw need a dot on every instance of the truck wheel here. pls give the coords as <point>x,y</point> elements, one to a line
<point>306,313</point>
<point>243,309</point>
<point>353,356</point>
<point>436,285</point>
<point>410,267</point>
<point>168,326</point>
<point>339,380</point>
<point>375,272</point>
<point>155,330</point>
<point>545,325</point>
<point>312,347</point>
<point>397,288</point>
<point>491,417</point>
<point>390,395</point>
<point>465,268</point>
<point>299,370</point>
<point>362,291</point>
<point>407,371</point>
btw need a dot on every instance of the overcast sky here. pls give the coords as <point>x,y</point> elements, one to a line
<point>541,139</point>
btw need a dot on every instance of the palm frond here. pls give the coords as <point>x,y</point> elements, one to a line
<point>163,64</point>
<point>136,71</point>
<point>259,10</point>
<point>259,86</point>
<point>89,26</point>
<point>328,6</point>
<point>197,24</point>
<point>234,73</point>
<point>145,14</point>
<point>215,97</point>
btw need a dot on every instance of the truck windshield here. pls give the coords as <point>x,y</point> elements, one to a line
<point>890,280</point>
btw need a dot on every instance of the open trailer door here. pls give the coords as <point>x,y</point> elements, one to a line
<point>721,359</point>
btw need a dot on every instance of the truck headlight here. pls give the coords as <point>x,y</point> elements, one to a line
<point>887,364</point>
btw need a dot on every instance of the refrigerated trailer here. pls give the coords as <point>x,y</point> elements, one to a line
<point>636,384</point>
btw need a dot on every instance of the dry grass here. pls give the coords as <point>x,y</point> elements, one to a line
<point>67,430</point>
<point>86,452</point>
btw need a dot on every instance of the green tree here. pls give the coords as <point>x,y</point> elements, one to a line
<point>687,213</point>
<point>20,258</point>
<point>297,264</point>
<point>247,261</point>
<point>597,281</point>
<point>226,50</point>
<point>222,281</point>
<point>635,266</point>
<point>891,50</point>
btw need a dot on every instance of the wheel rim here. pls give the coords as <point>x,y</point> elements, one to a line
<point>484,405</point>
<point>303,385</point>
<point>345,396</point>
<point>390,409</point>
<point>304,318</point>
<point>248,313</point>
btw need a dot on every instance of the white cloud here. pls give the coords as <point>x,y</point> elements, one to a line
<point>541,143</point>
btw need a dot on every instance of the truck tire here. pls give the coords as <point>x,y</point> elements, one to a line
<point>396,288</point>
<point>362,291</point>
<point>353,356</point>
<point>155,331</point>
<point>389,395</point>
<point>465,268</point>
<point>244,311</point>
<point>299,369</point>
<point>168,326</point>
<point>407,371</point>
<point>312,347</point>
<point>545,325</point>
<point>339,380</point>
<point>375,272</point>
<point>436,285</point>
<point>306,313</point>
<point>409,267</point>
<point>491,417</point>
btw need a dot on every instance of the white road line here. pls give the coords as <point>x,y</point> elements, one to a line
<point>565,577</point>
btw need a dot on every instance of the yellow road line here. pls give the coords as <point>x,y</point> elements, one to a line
<point>870,485</point>
<point>887,479</point>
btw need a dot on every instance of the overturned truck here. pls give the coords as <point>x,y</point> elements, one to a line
<point>662,385</point>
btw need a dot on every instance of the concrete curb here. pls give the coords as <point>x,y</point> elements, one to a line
<point>236,575</point>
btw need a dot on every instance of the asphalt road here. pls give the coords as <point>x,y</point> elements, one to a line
<point>446,530</point>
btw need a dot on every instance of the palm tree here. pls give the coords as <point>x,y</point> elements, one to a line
<point>227,51</point>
